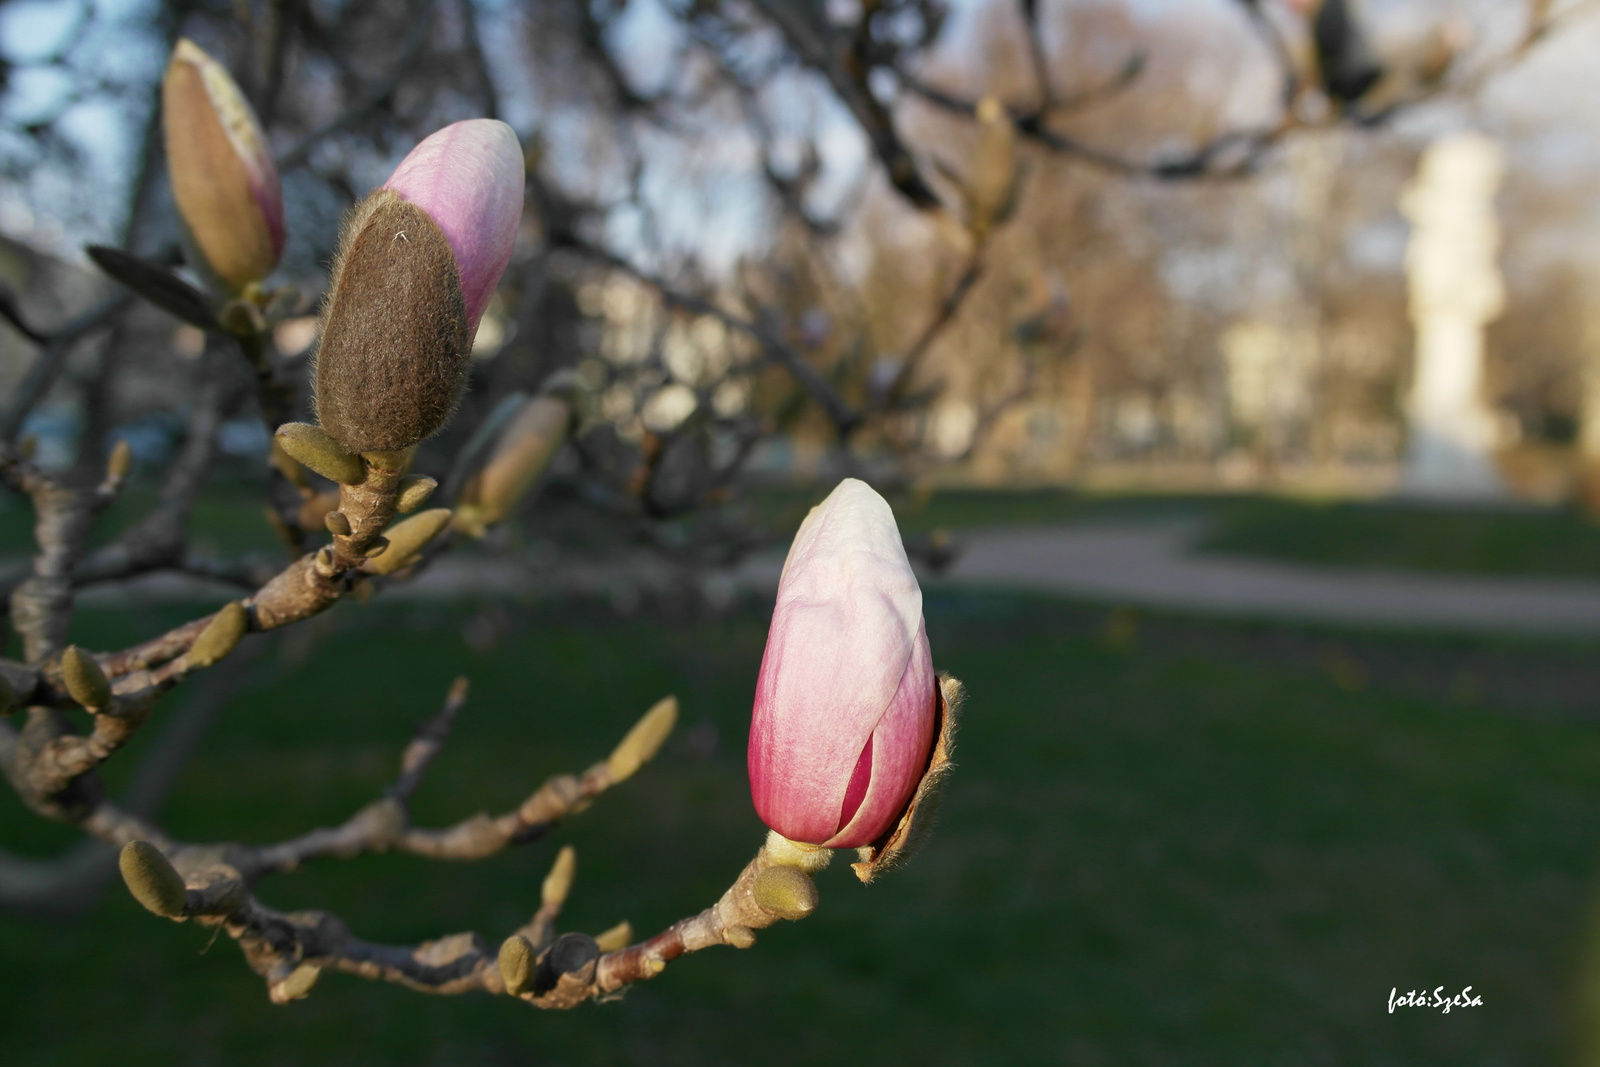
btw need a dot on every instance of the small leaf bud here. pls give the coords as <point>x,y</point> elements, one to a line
<point>337,523</point>
<point>152,879</point>
<point>558,883</point>
<point>415,489</point>
<point>298,985</point>
<point>120,463</point>
<point>616,938</point>
<point>220,637</point>
<point>314,448</point>
<point>407,538</point>
<point>84,679</point>
<point>787,892</point>
<point>516,964</point>
<point>643,741</point>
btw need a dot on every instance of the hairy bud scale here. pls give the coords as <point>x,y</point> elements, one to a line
<point>395,340</point>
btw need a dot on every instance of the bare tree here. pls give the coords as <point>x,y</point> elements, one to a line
<point>633,366</point>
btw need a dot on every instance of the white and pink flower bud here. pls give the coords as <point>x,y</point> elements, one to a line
<point>469,178</point>
<point>846,703</point>
<point>223,179</point>
<point>417,263</point>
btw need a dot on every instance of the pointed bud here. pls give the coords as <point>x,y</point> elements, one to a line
<point>223,179</point>
<point>520,455</point>
<point>84,679</point>
<point>376,547</point>
<point>615,939</point>
<point>298,985</point>
<point>415,489</point>
<point>786,892</point>
<point>220,637</point>
<point>991,182</point>
<point>417,263</point>
<point>644,740</point>
<point>846,702</point>
<point>337,523</point>
<point>516,964</point>
<point>120,464</point>
<point>152,879</point>
<point>558,883</point>
<point>407,538</point>
<point>287,466</point>
<point>314,448</point>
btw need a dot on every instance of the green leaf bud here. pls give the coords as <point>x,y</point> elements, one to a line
<point>616,938</point>
<point>643,741</point>
<point>84,679</point>
<point>415,489</point>
<point>152,879</point>
<point>221,635</point>
<point>558,883</point>
<point>407,538</point>
<point>516,964</point>
<point>787,892</point>
<point>298,985</point>
<point>120,463</point>
<point>315,448</point>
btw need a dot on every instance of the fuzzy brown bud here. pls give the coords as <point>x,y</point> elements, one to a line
<point>395,336</point>
<point>85,681</point>
<point>152,879</point>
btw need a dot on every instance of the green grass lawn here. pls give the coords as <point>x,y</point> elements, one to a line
<point>1166,843</point>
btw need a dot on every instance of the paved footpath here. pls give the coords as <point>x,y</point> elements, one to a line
<point>1150,565</point>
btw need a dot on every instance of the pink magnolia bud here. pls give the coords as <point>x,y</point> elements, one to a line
<point>846,703</point>
<point>223,179</point>
<point>468,177</point>
<point>417,263</point>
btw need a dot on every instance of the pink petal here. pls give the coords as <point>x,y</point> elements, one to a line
<point>469,178</point>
